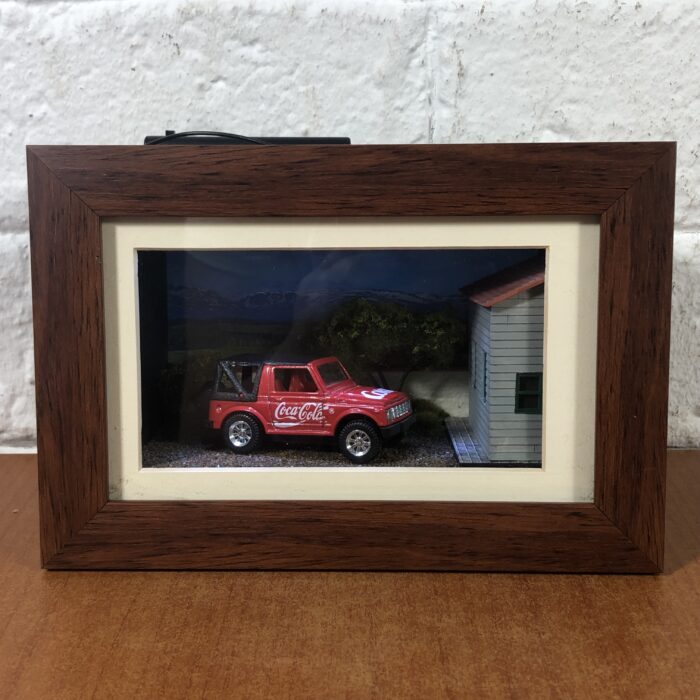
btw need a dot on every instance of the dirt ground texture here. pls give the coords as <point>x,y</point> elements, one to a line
<point>413,451</point>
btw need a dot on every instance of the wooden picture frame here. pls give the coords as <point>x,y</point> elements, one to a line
<point>630,186</point>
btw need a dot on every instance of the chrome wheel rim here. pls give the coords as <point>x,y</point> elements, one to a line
<point>358,443</point>
<point>239,433</point>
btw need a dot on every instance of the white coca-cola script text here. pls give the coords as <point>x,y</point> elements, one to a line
<point>306,412</point>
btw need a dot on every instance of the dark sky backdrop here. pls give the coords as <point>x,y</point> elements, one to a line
<point>236,275</point>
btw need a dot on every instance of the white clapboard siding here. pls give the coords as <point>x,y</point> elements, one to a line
<point>517,342</point>
<point>502,404</point>
<point>502,348</point>
<point>516,320</point>
<point>516,443</point>
<point>532,455</point>
<point>515,335</point>
<point>505,411</point>
<point>478,407</point>
<point>501,367</point>
<point>512,335</point>
<point>501,392</point>
<point>533,459</point>
<point>502,382</point>
<point>516,346</point>
<point>502,363</point>
<point>523,430</point>
<point>535,299</point>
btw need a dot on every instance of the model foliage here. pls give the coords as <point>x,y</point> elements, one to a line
<point>377,336</point>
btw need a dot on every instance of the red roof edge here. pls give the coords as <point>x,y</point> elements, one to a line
<point>505,284</point>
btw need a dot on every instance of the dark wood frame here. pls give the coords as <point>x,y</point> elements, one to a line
<point>630,186</point>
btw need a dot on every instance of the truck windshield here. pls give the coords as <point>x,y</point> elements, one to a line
<point>332,373</point>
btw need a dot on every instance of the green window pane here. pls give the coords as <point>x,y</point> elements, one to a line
<point>528,392</point>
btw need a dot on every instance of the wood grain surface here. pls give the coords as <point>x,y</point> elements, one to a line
<point>398,180</point>
<point>69,356</point>
<point>633,365</point>
<point>381,536</point>
<point>630,186</point>
<point>74,635</point>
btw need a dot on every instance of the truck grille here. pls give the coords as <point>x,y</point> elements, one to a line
<point>396,412</point>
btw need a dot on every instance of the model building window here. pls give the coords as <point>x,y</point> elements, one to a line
<point>528,392</point>
<point>474,365</point>
<point>486,374</point>
<point>294,379</point>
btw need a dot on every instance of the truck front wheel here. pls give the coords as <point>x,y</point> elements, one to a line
<point>360,441</point>
<point>242,433</point>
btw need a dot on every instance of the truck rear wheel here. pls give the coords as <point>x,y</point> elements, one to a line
<point>360,441</point>
<point>242,433</point>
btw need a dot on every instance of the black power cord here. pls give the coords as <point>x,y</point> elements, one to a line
<point>217,137</point>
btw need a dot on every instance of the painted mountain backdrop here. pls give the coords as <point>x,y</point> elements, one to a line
<point>285,307</point>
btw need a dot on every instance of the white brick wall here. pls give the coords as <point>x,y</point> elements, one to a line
<point>391,72</point>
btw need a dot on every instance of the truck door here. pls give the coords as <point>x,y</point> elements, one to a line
<point>296,402</point>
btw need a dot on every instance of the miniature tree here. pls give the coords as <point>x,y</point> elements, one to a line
<point>375,336</point>
<point>439,339</point>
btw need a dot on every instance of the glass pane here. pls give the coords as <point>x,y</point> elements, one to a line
<point>332,373</point>
<point>528,402</point>
<point>237,348</point>
<point>294,380</point>
<point>529,383</point>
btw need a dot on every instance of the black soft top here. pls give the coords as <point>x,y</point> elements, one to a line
<point>270,359</point>
<point>243,385</point>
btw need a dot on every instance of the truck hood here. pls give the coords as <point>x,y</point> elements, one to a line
<point>372,396</point>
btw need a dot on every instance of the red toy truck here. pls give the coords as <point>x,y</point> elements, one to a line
<point>254,397</point>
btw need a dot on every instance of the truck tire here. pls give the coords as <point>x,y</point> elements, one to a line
<point>242,433</point>
<point>359,441</point>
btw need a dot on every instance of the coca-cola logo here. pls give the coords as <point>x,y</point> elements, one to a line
<point>376,394</point>
<point>303,413</point>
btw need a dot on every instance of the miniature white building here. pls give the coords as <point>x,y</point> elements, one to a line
<point>505,393</point>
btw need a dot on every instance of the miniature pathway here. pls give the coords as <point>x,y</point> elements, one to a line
<point>467,451</point>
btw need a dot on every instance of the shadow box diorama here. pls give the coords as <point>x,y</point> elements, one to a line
<point>352,357</point>
<point>292,358</point>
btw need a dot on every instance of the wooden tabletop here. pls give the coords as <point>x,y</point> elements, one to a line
<point>347,635</point>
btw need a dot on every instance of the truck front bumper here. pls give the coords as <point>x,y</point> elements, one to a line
<point>398,428</point>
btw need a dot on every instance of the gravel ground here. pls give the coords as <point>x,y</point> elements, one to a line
<point>413,451</point>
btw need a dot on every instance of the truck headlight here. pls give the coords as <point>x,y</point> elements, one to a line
<point>396,412</point>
